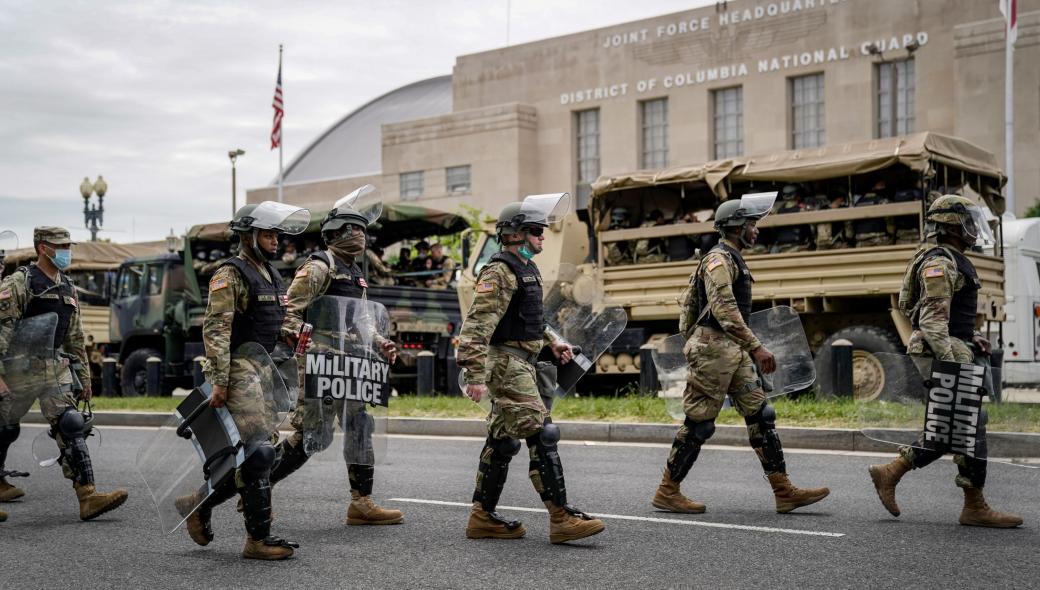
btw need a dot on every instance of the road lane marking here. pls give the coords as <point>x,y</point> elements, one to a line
<point>700,523</point>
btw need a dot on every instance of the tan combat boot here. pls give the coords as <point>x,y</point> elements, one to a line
<point>93,504</point>
<point>198,523</point>
<point>669,498</point>
<point>363,510</point>
<point>885,478</point>
<point>570,525</point>
<point>977,512</point>
<point>790,496</point>
<point>9,492</point>
<point>3,516</point>
<point>485,525</point>
<point>261,550</point>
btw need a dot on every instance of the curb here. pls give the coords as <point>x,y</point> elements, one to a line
<point>1001,444</point>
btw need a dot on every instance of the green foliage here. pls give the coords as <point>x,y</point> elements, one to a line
<point>1033,211</point>
<point>453,243</point>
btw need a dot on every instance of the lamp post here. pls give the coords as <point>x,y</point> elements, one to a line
<point>93,215</point>
<point>233,156</point>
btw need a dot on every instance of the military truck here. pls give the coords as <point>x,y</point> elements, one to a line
<point>159,301</point>
<point>848,292</point>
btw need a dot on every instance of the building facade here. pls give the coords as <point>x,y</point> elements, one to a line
<point>737,78</point>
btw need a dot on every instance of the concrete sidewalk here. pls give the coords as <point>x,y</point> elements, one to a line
<point>1006,444</point>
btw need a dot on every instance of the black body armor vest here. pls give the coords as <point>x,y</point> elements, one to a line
<point>347,279</point>
<point>523,319</point>
<point>262,320</point>
<point>48,297</point>
<point>741,290</point>
<point>877,225</point>
<point>964,303</point>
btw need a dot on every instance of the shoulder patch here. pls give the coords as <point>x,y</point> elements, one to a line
<point>217,284</point>
<point>714,263</point>
<point>6,294</point>
<point>932,272</point>
<point>301,272</point>
<point>485,287</point>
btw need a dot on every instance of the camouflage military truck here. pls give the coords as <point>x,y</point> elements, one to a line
<point>844,288</point>
<point>158,301</point>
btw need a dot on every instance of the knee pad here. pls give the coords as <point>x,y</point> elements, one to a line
<point>258,464</point>
<point>71,424</point>
<point>550,434</point>
<point>700,431</point>
<point>9,434</point>
<point>765,418</point>
<point>504,448</point>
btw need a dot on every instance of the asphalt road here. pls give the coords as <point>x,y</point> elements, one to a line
<point>848,540</point>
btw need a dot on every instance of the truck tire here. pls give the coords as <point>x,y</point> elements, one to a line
<point>867,371</point>
<point>134,378</point>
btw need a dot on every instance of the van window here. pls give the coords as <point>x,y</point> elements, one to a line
<point>489,249</point>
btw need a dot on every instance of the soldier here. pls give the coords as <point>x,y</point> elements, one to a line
<point>438,261</point>
<point>906,226</point>
<point>247,303</point>
<point>422,254</point>
<point>723,354</point>
<point>332,272</point>
<point>38,289</point>
<point>499,343</point>
<point>650,250</point>
<point>874,231</point>
<point>619,252</point>
<point>792,238</point>
<point>378,271</point>
<point>830,235</point>
<point>939,295</point>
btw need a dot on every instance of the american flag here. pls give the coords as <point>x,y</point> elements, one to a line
<point>1009,8</point>
<point>279,110</point>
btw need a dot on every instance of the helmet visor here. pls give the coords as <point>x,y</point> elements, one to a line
<point>364,200</point>
<point>756,205</point>
<point>8,241</point>
<point>545,209</point>
<point>976,227</point>
<point>281,217</point>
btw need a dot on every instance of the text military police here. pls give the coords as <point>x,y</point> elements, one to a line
<point>940,296</point>
<point>499,343</point>
<point>333,272</point>
<point>42,288</point>
<point>247,303</point>
<point>723,352</point>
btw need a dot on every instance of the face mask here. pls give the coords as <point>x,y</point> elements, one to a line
<point>352,245</point>
<point>62,258</point>
<point>526,252</point>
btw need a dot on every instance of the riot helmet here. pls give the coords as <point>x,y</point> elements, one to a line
<point>361,208</point>
<point>961,217</point>
<point>269,215</point>
<point>736,213</point>
<point>789,192</point>
<point>517,221</point>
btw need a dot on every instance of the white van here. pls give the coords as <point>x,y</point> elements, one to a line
<point>1021,340</point>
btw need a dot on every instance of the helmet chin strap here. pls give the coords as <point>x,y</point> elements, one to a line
<point>259,252</point>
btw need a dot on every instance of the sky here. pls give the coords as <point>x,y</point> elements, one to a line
<point>152,94</point>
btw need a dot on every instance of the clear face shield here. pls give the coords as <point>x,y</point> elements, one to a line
<point>280,217</point>
<point>976,227</point>
<point>545,209</point>
<point>757,205</point>
<point>365,200</point>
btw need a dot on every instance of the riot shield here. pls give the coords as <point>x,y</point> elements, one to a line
<point>778,328</point>
<point>946,407</point>
<point>200,447</point>
<point>347,379</point>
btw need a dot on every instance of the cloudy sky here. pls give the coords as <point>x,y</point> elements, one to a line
<point>152,94</point>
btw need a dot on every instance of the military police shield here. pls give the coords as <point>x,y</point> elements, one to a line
<point>778,328</point>
<point>347,379</point>
<point>931,405</point>
<point>200,447</point>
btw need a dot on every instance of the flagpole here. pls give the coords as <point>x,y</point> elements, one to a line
<point>281,141</point>
<point>1009,119</point>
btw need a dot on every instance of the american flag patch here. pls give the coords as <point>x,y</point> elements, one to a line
<point>486,287</point>
<point>715,263</point>
<point>217,284</point>
<point>934,272</point>
<point>5,294</point>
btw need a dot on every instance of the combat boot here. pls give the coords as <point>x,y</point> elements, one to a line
<point>3,516</point>
<point>669,498</point>
<point>492,525</point>
<point>198,523</point>
<point>977,512</point>
<point>885,478</point>
<point>270,548</point>
<point>790,496</point>
<point>570,524</point>
<point>9,492</point>
<point>363,510</point>
<point>93,504</point>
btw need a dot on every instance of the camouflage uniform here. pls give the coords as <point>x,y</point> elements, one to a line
<point>447,266</point>
<point>649,250</point>
<point>618,254</point>
<point>379,272</point>
<point>873,231</point>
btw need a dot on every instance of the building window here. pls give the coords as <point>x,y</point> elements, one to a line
<point>807,111</point>
<point>411,185</point>
<point>655,133</point>
<point>457,179</point>
<point>728,114</point>
<point>895,98</point>
<point>586,126</point>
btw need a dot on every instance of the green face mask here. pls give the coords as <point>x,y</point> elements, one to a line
<point>526,252</point>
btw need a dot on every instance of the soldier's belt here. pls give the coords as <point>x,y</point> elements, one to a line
<point>528,357</point>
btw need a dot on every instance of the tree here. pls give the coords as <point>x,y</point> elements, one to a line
<point>1033,211</point>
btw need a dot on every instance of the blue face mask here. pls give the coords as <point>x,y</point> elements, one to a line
<point>62,258</point>
<point>526,252</point>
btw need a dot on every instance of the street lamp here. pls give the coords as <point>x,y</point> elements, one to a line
<point>233,156</point>
<point>93,215</point>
